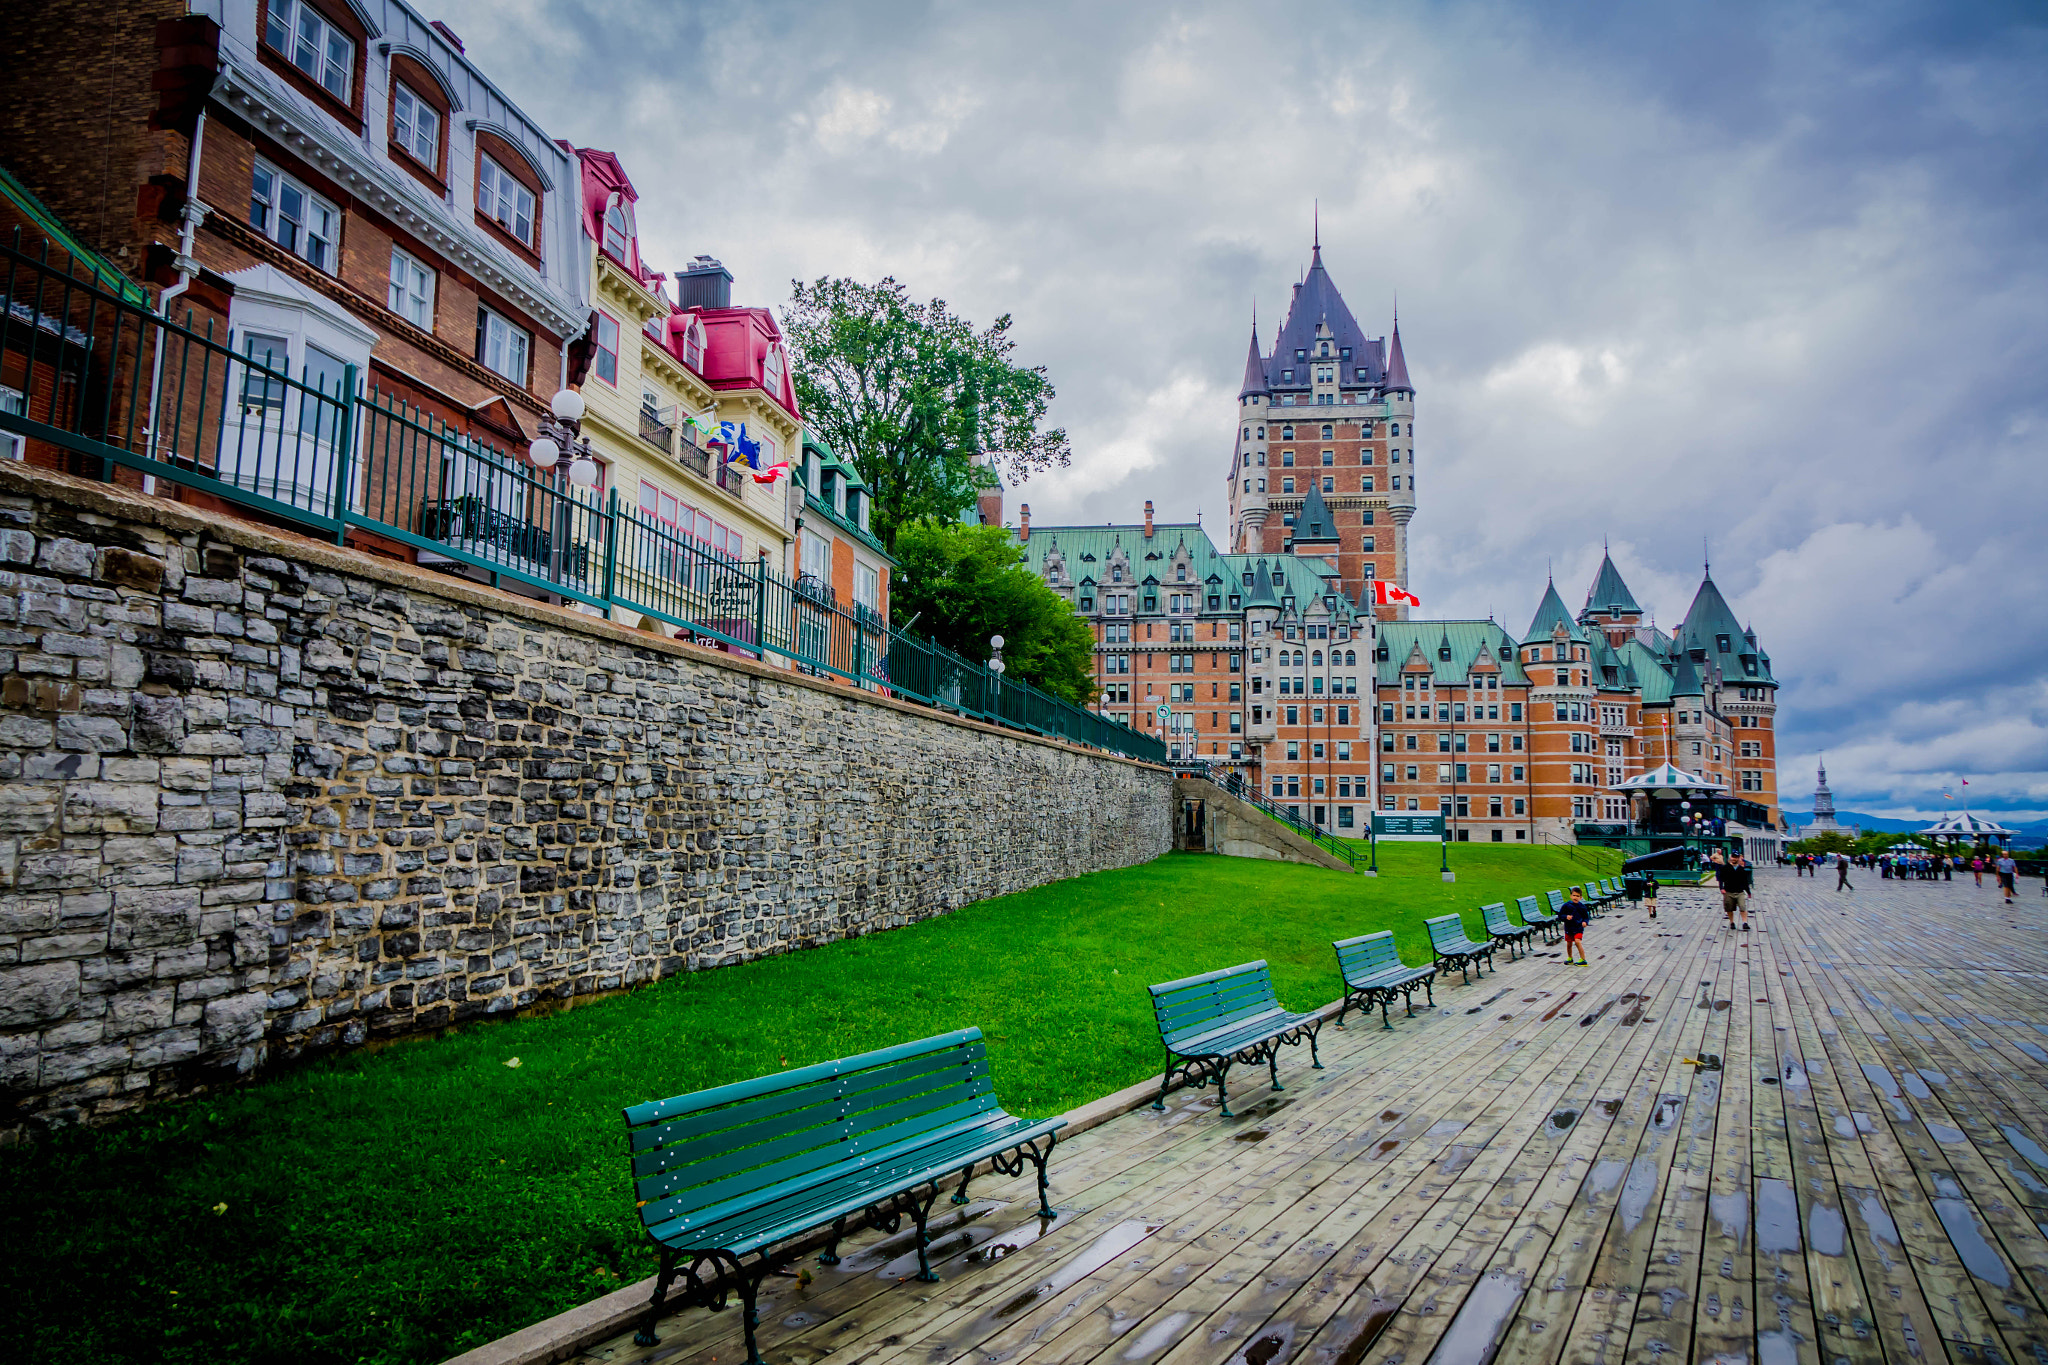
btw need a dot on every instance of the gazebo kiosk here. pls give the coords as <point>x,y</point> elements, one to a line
<point>1964,828</point>
<point>1674,806</point>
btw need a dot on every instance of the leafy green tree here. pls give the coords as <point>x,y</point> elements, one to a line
<point>961,584</point>
<point>922,403</point>
<point>1827,841</point>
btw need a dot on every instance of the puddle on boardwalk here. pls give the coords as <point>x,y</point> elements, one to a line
<point>1104,1249</point>
<point>1606,1175</point>
<point>1267,1347</point>
<point>1827,1229</point>
<point>2024,1145</point>
<point>950,1236</point>
<point>1456,1158</point>
<point>1668,1109</point>
<point>1445,1128</point>
<point>1888,1086</point>
<point>1777,1348</point>
<point>2032,1051</point>
<point>1378,1314</point>
<point>1255,1135</point>
<point>1915,1087</point>
<point>1637,1192</point>
<point>1795,1074</point>
<point>1588,1020</point>
<point>1552,1014</point>
<point>1610,1107</point>
<point>1475,1332</point>
<point>1941,1132</point>
<point>1878,1219</point>
<point>2025,1177</point>
<point>1731,1211</point>
<point>1967,1237</point>
<point>1777,1217</point>
<point>1158,1336</point>
<point>1564,1118</point>
<point>1390,1116</point>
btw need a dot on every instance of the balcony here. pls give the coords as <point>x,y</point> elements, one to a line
<point>692,457</point>
<point>468,524</point>
<point>656,432</point>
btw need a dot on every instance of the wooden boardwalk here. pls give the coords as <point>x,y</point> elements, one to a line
<point>1818,1141</point>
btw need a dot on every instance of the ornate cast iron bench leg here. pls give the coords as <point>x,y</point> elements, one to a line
<point>1273,1063</point>
<point>1315,1058</point>
<point>645,1336</point>
<point>830,1255</point>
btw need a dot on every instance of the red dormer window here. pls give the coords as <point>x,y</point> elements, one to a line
<point>693,345</point>
<point>773,367</point>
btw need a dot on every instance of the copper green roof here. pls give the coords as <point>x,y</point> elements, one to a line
<point>1085,551</point>
<point>1551,613</point>
<point>1650,672</point>
<point>1609,594</point>
<point>1465,639</point>
<point>1711,632</point>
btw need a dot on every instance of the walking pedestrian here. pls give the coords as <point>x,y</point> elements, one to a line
<point>1734,880</point>
<point>1573,915</point>
<point>1842,873</point>
<point>2008,873</point>
<point>1977,867</point>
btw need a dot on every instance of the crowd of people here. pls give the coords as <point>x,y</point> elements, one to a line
<point>1908,866</point>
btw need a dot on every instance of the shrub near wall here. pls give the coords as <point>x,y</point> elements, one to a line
<point>258,795</point>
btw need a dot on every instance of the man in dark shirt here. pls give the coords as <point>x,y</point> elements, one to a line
<point>1734,880</point>
<point>1573,915</point>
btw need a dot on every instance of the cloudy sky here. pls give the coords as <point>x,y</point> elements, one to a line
<point>1769,277</point>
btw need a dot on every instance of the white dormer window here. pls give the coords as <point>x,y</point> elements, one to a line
<point>693,345</point>
<point>772,368</point>
<point>313,45</point>
<point>416,127</point>
<point>504,199</point>
<point>618,228</point>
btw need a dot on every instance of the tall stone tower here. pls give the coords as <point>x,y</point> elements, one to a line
<point>1329,411</point>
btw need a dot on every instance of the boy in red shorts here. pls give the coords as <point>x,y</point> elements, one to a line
<point>1573,916</point>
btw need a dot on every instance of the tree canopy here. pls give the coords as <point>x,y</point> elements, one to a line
<point>923,404</point>
<point>961,584</point>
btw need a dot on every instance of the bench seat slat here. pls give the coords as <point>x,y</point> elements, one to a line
<point>718,1096</point>
<point>1238,1036</point>
<point>743,1230</point>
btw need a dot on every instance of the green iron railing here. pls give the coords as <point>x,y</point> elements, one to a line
<point>109,383</point>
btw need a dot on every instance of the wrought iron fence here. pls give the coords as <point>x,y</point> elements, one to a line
<point>110,383</point>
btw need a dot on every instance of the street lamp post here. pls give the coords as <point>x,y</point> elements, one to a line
<point>561,433</point>
<point>997,667</point>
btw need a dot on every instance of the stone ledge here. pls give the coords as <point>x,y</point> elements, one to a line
<point>115,501</point>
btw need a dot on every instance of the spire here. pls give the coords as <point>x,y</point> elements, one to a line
<point>1254,368</point>
<point>1314,523</point>
<point>1549,614</point>
<point>1316,248</point>
<point>1397,363</point>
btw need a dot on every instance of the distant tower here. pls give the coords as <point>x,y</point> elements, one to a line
<point>1823,809</point>
<point>1331,411</point>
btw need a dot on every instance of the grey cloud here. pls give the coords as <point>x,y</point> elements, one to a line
<point>1771,275</point>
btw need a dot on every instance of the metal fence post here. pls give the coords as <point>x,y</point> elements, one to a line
<point>344,442</point>
<point>761,609</point>
<point>611,548</point>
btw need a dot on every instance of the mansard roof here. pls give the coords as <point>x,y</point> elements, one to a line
<point>1609,594</point>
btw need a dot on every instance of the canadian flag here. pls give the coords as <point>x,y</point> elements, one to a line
<point>1385,594</point>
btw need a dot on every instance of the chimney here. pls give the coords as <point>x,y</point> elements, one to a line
<point>1148,518</point>
<point>448,33</point>
<point>1024,521</point>
<point>706,284</point>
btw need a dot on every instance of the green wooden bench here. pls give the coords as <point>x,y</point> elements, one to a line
<point>728,1173</point>
<point>1556,899</point>
<point>1373,971</point>
<point>1597,893</point>
<point>1447,936</point>
<point>1543,922</point>
<point>1503,929</point>
<point>1212,1021</point>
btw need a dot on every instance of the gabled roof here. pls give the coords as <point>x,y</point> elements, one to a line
<point>1262,589</point>
<point>1609,595</point>
<point>1551,613</point>
<point>1468,640</point>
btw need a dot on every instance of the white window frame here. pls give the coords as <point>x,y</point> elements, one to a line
<point>494,326</point>
<point>817,559</point>
<point>503,199</point>
<point>302,237</point>
<point>624,227</point>
<point>309,37</point>
<point>409,276</point>
<point>410,128</point>
<point>13,446</point>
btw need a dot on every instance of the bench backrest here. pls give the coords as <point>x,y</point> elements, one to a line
<point>1201,1004</point>
<point>1497,920</point>
<point>1556,900</point>
<point>1527,905</point>
<point>1447,931</point>
<point>1367,954</point>
<point>1607,887</point>
<point>1593,893</point>
<point>696,1154</point>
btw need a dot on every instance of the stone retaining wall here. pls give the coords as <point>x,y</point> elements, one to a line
<point>259,796</point>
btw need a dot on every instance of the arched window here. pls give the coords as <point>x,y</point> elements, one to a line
<point>693,344</point>
<point>1318,661</point>
<point>1328,431</point>
<point>1287,433</point>
<point>772,367</point>
<point>1350,658</point>
<point>618,230</point>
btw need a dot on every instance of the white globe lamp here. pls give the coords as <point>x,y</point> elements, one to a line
<point>544,452</point>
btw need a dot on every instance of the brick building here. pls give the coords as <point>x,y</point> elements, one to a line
<point>1272,660</point>
<point>333,184</point>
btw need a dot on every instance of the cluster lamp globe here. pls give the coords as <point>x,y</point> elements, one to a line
<point>567,405</point>
<point>544,452</point>
<point>583,473</point>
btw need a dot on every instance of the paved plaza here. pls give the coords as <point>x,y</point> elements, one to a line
<point>1817,1141</point>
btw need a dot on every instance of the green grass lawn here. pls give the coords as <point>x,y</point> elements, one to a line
<point>407,1204</point>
